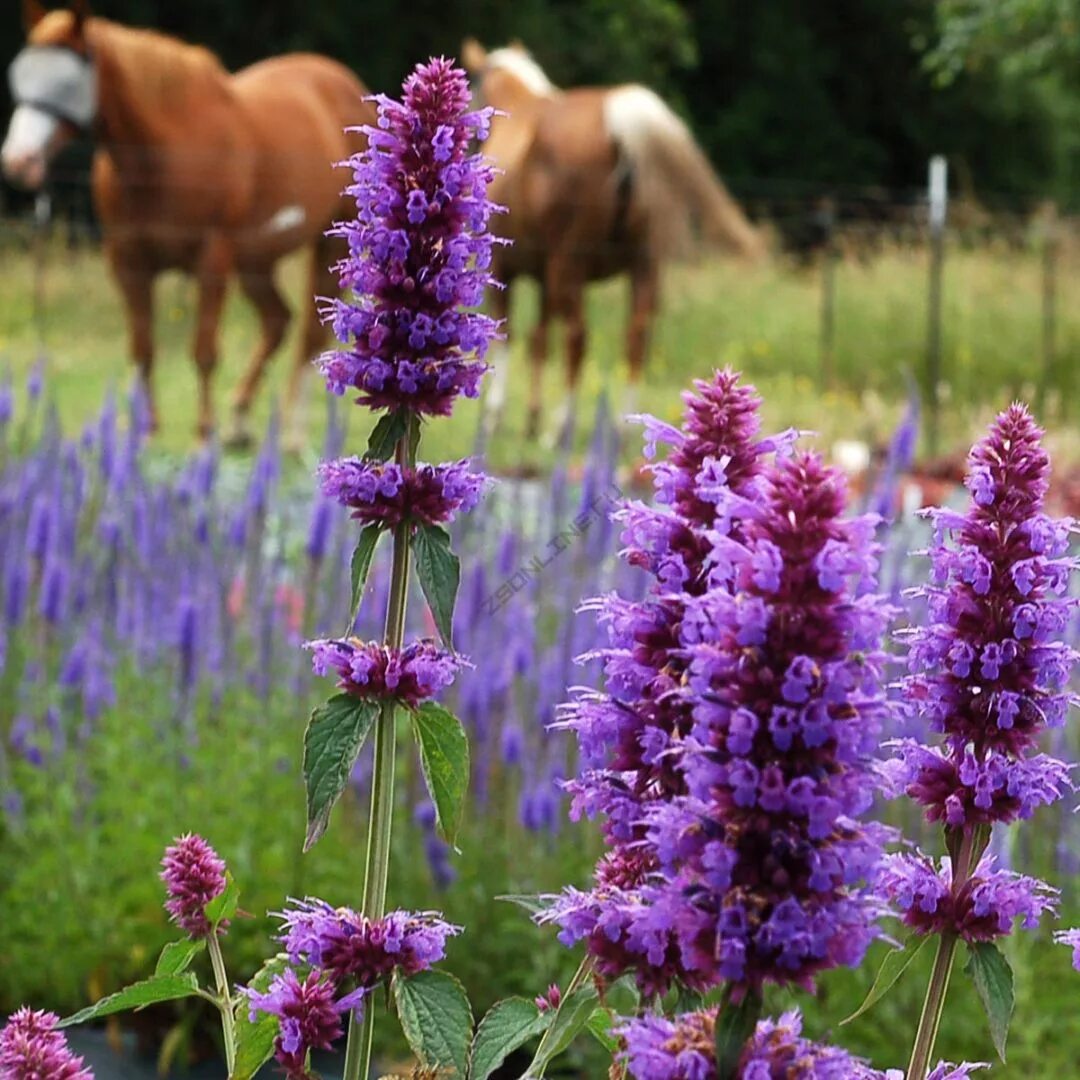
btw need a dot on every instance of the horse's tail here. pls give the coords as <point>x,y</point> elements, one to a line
<point>674,185</point>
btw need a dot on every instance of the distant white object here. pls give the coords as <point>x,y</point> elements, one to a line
<point>939,191</point>
<point>288,217</point>
<point>852,455</point>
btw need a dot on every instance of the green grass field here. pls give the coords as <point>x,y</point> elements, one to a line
<point>763,320</point>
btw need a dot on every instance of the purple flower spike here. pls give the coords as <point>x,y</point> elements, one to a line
<point>193,875</point>
<point>387,494</point>
<point>348,945</point>
<point>310,1013</point>
<point>419,252</point>
<point>31,1048</point>
<point>413,674</point>
<point>684,1049</point>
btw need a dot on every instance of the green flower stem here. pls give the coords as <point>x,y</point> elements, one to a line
<point>380,822</point>
<point>583,972</point>
<point>934,1003</point>
<point>224,1000</point>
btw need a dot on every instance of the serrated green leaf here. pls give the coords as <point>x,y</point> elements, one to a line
<point>255,1038</point>
<point>444,758</point>
<point>570,1018</point>
<point>385,436</point>
<point>224,905</point>
<point>176,957</point>
<point>993,979</point>
<point>437,1020</point>
<point>894,965</point>
<point>362,557</point>
<point>148,992</point>
<point>533,903</point>
<point>508,1024</point>
<point>439,573</point>
<point>332,743</point>
<point>734,1026</point>
<point>600,1027</point>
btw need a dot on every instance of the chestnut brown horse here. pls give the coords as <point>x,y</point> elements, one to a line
<point>599,181</point>
<point>196,169</point>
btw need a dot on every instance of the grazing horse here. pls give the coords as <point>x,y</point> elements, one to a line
<point>195,169</point>
<point>598,181</point>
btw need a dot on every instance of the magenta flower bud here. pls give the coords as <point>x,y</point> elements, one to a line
<point>31,1048</point>
<point>193,875</point>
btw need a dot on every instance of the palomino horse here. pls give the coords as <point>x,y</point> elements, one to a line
<point>598,181</point>
<point>195,169</point>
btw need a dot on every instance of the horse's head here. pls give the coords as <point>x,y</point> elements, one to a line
<point>506,78</point>
<point>54,86</point>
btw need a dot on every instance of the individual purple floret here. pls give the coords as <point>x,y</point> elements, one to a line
<point>347,945</point>
<point>310,1013</point>
<point>982,909</point>
<point>366,669</point>
<point>387,494</point>
<point>419,252</point>
<point>193,875</point>
<point>31,1048</point>
<point>684,1049</point>
<point>1072,939</point>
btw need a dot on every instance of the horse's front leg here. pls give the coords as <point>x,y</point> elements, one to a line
<point>538,352</point>
<point>212,273</point>
<point>644,284</point>
<point>135,279</point>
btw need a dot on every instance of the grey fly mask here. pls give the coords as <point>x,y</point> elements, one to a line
<point>55,80</point>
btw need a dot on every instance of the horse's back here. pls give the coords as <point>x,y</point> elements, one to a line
<point>297,107</point>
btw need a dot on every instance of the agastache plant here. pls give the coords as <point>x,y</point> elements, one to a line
<point>989,674</point>
<point>419,253</point>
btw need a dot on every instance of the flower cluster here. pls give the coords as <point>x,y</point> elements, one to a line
<point>31,1048</point>
<point>367,669</point>
<point>346,956</point>
<point>989,673</point>
<point>656,1048</point>
<point>1072,939</point>
<point>744,708</point>
<point>388,494</point>
<point>194,875</point>
<point>419,252</point>
<point>984,907</point>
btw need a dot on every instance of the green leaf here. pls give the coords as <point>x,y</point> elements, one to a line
<point>533,903</point>
<point>993,978</point>
<point>362,557</point>
<point>509,1023</point>
<point>439,572</point>
<point>385,436</point>
<point>437,1020</point>
<point>224,905</point>
<point>444,757</point>
<point>896,962</point>
<point>573,1014</point>
<point>332,743</point>
<point>148,992</point>
<point>176,957</point>
<point>255,1038</point>
<point>600,1027</point>
<point>734,1026</point>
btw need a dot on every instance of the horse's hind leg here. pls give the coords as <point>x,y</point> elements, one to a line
<point>215,263</point>
<point>321,282</point>
<point>644,286</point>
<point>572,307</point>
<point>259,287</point>
<point>538,352</point>
<point>136,282</point>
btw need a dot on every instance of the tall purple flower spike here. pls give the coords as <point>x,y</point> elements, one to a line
<point>989,673</point>
<point>419,252</point>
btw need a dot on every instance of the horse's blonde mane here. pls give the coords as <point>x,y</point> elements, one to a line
<point>519,62</point>
<point>162,71</point>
